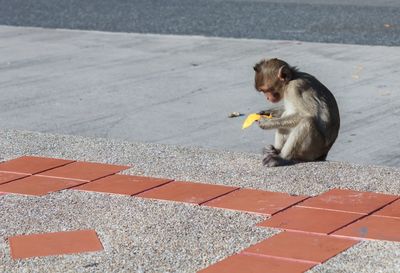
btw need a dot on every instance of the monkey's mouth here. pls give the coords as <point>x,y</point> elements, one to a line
<point>273,96</point>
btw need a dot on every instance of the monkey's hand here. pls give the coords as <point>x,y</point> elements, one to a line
<point>274,112</point>
<point>264,123</point>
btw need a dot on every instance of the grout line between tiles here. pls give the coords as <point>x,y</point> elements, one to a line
<point>348,224</point>
<point>336,210</point>
<point>293,205</point>
<point>56,167</point>
<point>386,216</point>
<point>163,184</point>
<point>366,215</point>
<point>201,204</point>
<point>74,185</point>
<point>76,179</point>
<point>307,232</point>
<point>353,212</point>
<point>15,172</point>
<point>360,239</point>
<point>244,252</point>
<point>27,175</point>
<point>397,199</point>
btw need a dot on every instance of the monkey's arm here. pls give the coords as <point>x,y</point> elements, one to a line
<point>280,123</point>
<point>274,112</point>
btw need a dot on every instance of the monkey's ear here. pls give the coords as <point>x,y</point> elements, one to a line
<point>257,68</point>
<point>285,73</point>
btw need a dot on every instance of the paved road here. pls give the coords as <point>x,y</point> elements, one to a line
<point>351,22</point>
<point>180,89</point>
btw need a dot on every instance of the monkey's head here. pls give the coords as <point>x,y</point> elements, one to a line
<point>271,78</point>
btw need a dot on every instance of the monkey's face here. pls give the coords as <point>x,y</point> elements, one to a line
<point>271,93</point>
<point>269,84</point>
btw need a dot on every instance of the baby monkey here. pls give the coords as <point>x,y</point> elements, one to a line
<point>308,121</point>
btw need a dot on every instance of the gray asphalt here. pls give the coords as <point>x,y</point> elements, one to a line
<point>350,22</point>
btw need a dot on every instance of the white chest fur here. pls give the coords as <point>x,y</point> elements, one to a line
<point>289,108</point>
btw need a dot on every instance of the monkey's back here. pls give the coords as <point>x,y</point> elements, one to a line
<point>321,105</point>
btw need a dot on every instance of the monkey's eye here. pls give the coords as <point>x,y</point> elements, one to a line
<point>267,90</point>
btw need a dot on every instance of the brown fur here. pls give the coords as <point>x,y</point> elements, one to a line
<point>308,122</point>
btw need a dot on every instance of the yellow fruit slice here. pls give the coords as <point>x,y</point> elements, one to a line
<point>252,118</point>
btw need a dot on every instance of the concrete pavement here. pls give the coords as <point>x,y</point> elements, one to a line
<point>179,90</point>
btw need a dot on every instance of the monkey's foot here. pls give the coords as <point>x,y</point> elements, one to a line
<point>270,150</point>
<point>272,160</point>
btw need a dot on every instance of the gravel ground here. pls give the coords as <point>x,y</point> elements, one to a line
<point>154,236</point>
<point>138,235</point>
<point>210,166</point>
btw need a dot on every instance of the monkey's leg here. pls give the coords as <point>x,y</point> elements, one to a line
<point>281,136</point>
<point>305,143</point>
<point>280,139</point>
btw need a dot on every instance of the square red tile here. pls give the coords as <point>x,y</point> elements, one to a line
<point>38,185</point>
<point>310,220</point>
<point>123,184</point>
<point>391,210</point>
<point>373,227</point>
<point>188,192</point>
<point>301,246</point>
<point>257,201</point>
<point>242,263</point>
<point>57,243</point>
<point>7,177</point>
<point>32,164</point>
<point>85,171</point>
<point>349,201</point>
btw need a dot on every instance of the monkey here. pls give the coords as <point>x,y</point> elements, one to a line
<point>307,122</point>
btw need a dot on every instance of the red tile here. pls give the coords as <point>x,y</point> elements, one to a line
<point>392,210</point>
<point>85,171</point>
<point>32,164</point>
<point>37,185</point>
<point>123,184</point>
<point>310,220</point>
<point>257,201</point>
<point>301,246</point>
<point>373,227</point>
<point>7,177</point>
<point>242,263</point>
<point>349,201</point>
<point>57,243</point>
<point>188,192</point>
